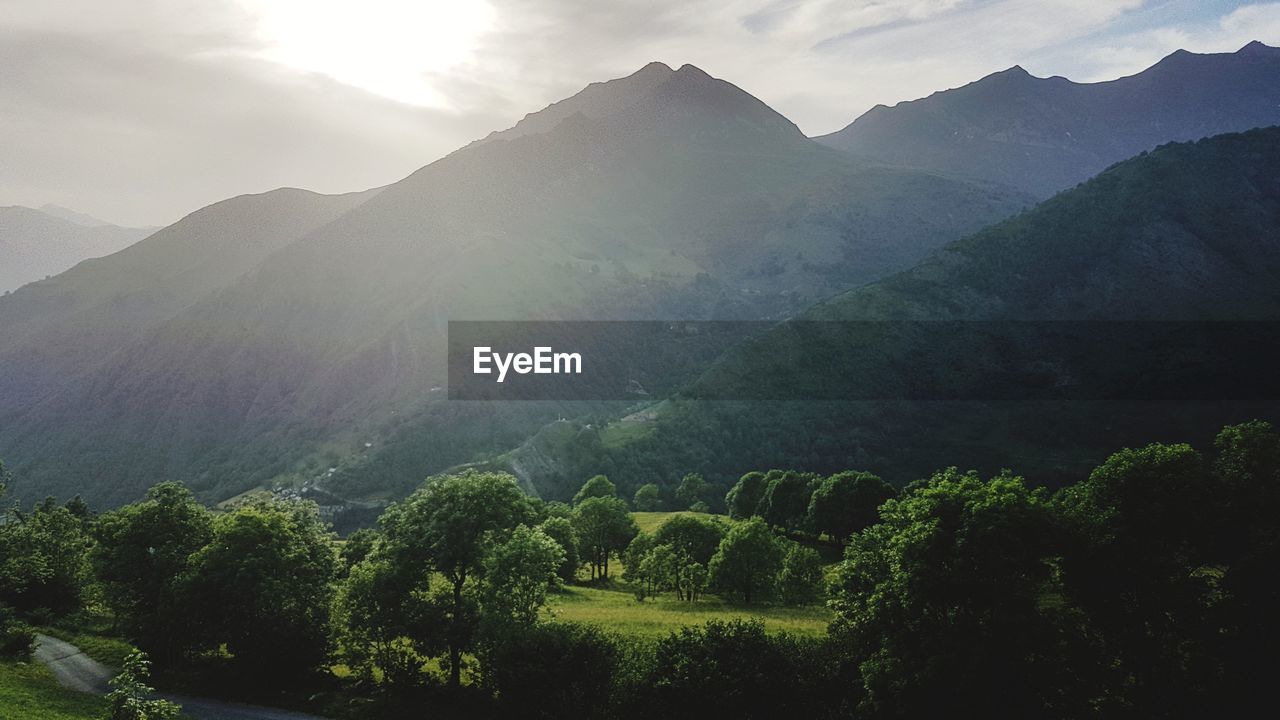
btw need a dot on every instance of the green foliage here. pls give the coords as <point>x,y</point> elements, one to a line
<point>604,529</point>
<point>130,699</point>
<point>597,487</point>
<point>744,497</point>
<point>648,498</point>
<point>692,536</point>
<point>263,588</point>
<point>553,670</point>
<point>800,580</point>
<point>747,562</point>
<point>141,551</point>
<point>373,615</point>
<point>561,530</point>
<point>17,639</point>
<point>785,502</point>
<point>731,669</point>
<point>518,572</point>
<point>358,546</point>
<point>940,604</point>
<point>448,526</point>
<point>847,502</point>
<point>693,487</point>
<point>43,559</point>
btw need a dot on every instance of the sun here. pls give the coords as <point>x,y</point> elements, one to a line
<point>387,47</point>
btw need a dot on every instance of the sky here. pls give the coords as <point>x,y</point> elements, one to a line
<point>141,111</point>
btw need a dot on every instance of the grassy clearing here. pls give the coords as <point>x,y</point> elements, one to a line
<point>28,690</point>
<point>615,608</point>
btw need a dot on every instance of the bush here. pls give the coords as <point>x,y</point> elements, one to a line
<point>553,670</point>
<point>17,640</point>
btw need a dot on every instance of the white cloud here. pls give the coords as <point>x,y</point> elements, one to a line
<point>144,109</point>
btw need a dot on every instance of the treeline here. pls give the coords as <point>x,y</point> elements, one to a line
<point>1148,589</point>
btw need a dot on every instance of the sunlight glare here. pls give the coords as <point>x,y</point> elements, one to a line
<point>383,46</point>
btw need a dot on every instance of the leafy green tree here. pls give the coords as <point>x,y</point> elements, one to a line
<point>729,669</point>
<point>447,527</point>
<point>43,559</point>
<point>597,487</point>
<point>696,537</point>
<point>692,488</point>
<point>785,503</point>
<point>1247,541</point>
<point>747,562</point>
<point>942,605</point>
<point>691,580</point>
<point>659,569</point>
<point>744,497</point>
<point>800,580</point>
<point>141,551</point>
<point>847,502</point>
<point>1143,521</point>
<point>561,530</point>
<point>518,572</point>
<point>263,587</point>
<point>604,529</point>
<point>373,616</point>
<point>130,696</point>
<point>358,546</point>
<point>647,498</point>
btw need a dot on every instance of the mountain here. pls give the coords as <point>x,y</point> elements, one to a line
<point>1044,135</point>
<point>35,244</point>
<point>669,194</point>
<point>72,216</point>
<point>1140,306</point>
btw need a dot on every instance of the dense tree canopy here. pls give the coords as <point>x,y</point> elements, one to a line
<point>847,502</point>
<point>597,487</point>
<point>747,562</point>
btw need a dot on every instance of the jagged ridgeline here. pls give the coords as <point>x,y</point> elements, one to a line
<point>1141,306</point>
<point>274,337</point>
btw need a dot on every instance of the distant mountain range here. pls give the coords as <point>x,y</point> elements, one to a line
<point>233,345</point>
<point>295,337</point>
<point>1184,233</point>
<point>1043,135</point>
<point>35,244</point>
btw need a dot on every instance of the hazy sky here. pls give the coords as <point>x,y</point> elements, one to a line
<point>139,111</point>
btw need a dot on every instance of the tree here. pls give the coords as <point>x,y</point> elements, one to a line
<point>691,580</point>
<point>446,526</point>
<point>647,498</point>
<point>785,503</point>
<point>942,605</point>
<point>729,669</point>
<point>358,546</point>
<point>518,572</point>
<point>17,639</point>
<point>800,581</point>
<point>373,611</point>
<point>43,559</point>
<point>744,497</point>
<point>747,562</point>
<point>263,586</point>
<point>692,488</point>
<point>604,528</point>
<point>696,537</point>
<point>561,530</point>
<point>1143,525</point>
<point>130,696</point>
<point>659,570</point>
<point>847,502</point>
<point>597,487</point>
<point>141,551</point>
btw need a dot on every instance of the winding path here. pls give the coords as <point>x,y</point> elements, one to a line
<point>79,672</point>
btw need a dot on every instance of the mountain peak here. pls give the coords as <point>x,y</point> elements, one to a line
<point>1257,48</point>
